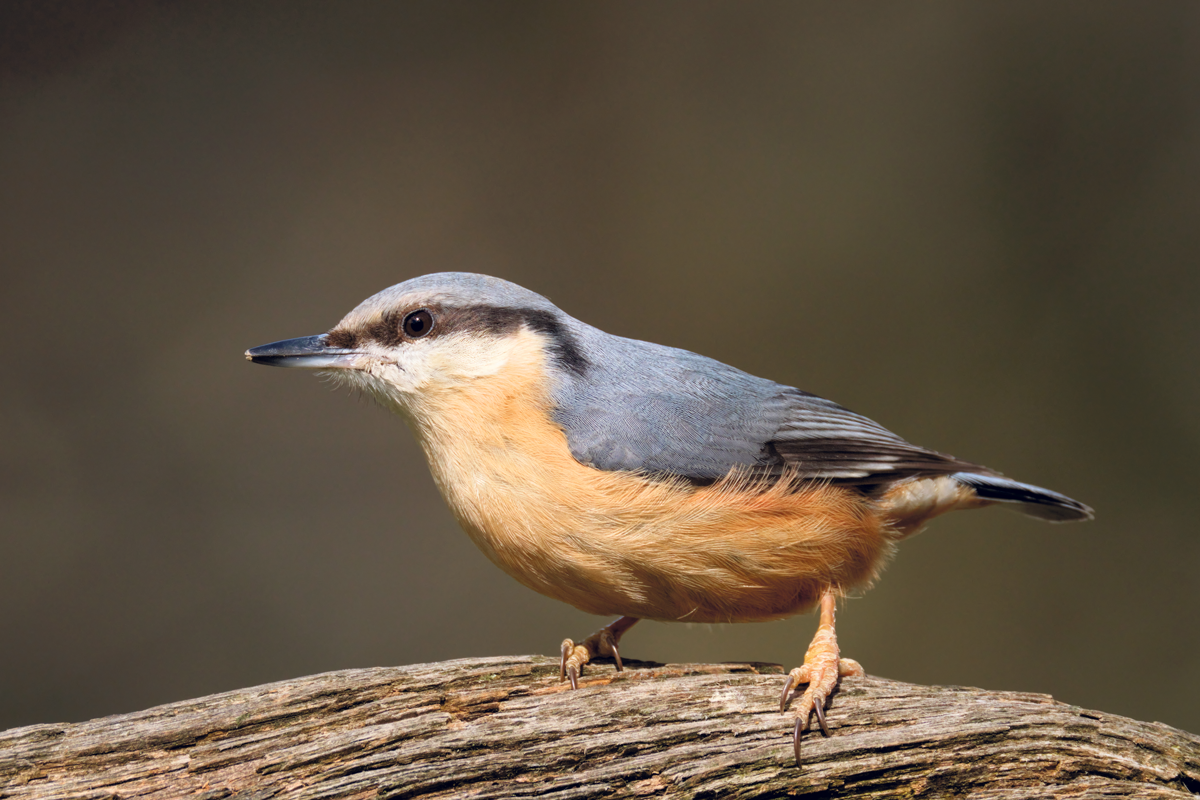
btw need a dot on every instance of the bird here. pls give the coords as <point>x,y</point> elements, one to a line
<point>641,481</point>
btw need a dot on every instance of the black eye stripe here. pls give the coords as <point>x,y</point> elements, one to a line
<point>418,324</point>
<point>395,327</point>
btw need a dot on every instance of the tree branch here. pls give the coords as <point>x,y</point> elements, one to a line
<point>506,727</point>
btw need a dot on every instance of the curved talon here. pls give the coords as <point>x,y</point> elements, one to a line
<point>819,707</point>
<point>793,680</point>
<point>571,664</point>
<point>787,694</point>
<point>612,645</point>
<point>799,729</point>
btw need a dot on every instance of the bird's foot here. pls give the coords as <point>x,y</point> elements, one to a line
<point>822,668</point>
<point>601,643</point>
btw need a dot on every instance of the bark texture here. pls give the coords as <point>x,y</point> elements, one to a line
<point>506,727</point>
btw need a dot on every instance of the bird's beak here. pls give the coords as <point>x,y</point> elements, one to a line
<point>307,352</point>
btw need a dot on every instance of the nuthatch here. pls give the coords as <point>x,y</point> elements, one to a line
<point>632,479</point>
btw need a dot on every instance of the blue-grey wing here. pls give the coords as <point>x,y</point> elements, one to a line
<point>664,411</point>
<point>660,410</point>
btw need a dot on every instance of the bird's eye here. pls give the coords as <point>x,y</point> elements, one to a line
<point>417,324</point>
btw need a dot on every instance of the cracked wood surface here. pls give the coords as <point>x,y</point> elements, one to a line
<point>506,727</point>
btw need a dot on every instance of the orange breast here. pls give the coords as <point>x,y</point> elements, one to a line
<point>619,543</point>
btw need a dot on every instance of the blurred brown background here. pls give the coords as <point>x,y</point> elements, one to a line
<point>974,222</point>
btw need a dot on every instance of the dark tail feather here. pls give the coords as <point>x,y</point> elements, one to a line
<point>1033,500</point>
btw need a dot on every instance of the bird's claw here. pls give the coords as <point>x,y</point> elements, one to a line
<point>822,667</point>
<point>602,643</point>
<point>819,707</point>
<point>821,671</point>
<point>573,658</point>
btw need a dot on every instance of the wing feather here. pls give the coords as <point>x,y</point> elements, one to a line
<point>821,440</point>
<point>665,411</point>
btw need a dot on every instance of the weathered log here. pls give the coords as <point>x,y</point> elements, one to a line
<point>506,727</point>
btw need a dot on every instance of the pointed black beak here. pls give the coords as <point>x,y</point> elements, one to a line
<point>307,352</point>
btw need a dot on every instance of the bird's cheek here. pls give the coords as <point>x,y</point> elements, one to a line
<point>409,379</point>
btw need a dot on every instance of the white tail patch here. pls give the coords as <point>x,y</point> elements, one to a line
<point>909,504</point>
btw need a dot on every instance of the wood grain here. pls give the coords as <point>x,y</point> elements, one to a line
<point>506,727</point>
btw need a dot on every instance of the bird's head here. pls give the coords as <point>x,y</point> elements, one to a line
<point>418,342</point>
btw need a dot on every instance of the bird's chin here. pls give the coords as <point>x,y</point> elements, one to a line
<point>349,377</point>
<point>362,380</point>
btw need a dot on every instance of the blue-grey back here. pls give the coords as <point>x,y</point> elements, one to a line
<point>645,406</point>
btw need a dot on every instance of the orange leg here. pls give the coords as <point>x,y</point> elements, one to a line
<point>601,643</point>
<point>821,670</point>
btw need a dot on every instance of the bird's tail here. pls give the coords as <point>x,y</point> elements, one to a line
<point>1032,500</point>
